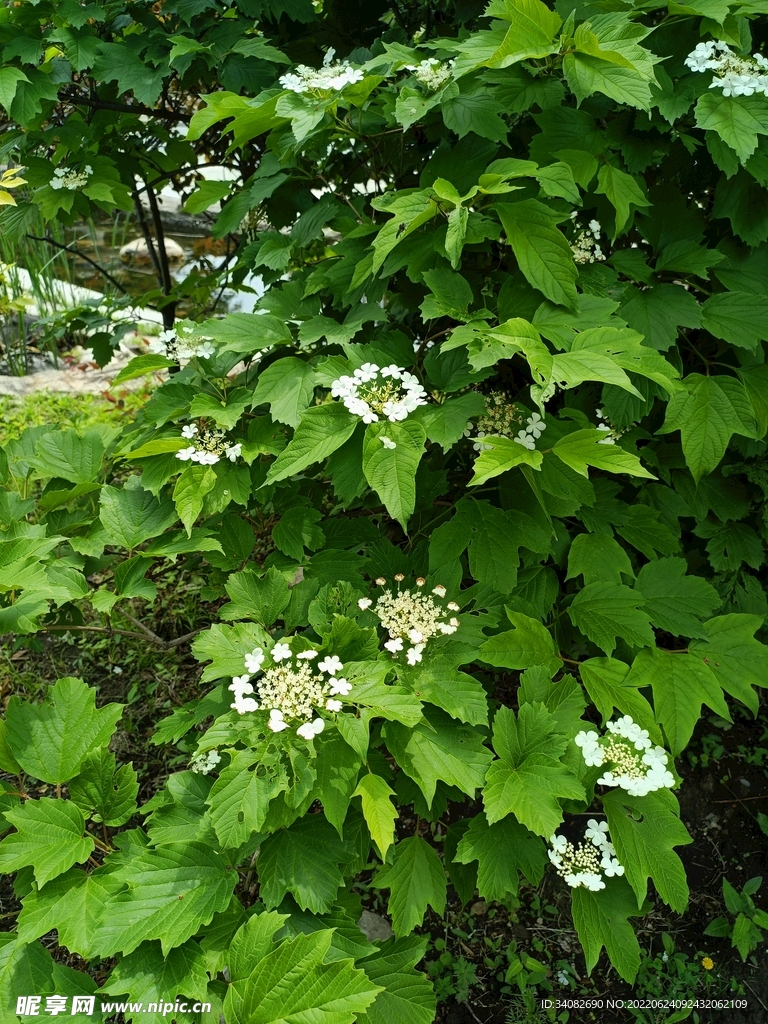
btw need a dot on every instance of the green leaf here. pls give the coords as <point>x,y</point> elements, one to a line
<point>240,797</point>
<point>226,647</point>
<point>225,413</point>
<point>623,191</point>
<point>587,74</point>
<point>438,682</point>
<point>64,454</point>
<point>528,644</point>
<point>736,317</point>
<point>140,365</point>
<point>9,81</point>
<point>391,472</point>
<point>260,598</point>
<point>499,455</point>
<point>245,333</point>
<point>585,448</point>
<point>478,113</point>
<point>49,838</point>
<point>145,972</point>
<point>531,792</point>
<point>598,557</point>
<point>379,812</point>
<point>439,750</point>
<point>303,860</point>
<point>738,661</point>
<point>297,530</point>
<point>73,904</point>
<point>602,919</point>
<point>603,612</point>
<point>530,34</point>
<point>132,515</point>
<point>688,257</point>
<point>503,851</point>
<point>104,791</point>
<point>408,997</point>
<point>120,63</point>
<point>170,893</point>
<point>337,766</point>
<point>681,684</point>
<point>52,740</point>
<point>416,880</point>
<point>541,250</point>
<point>445,424</point>
<point>605,680</point>
<point>707,414</point>
<point>737,120</point>
<point>657,312</point>
<point>286,386</point>
<point>292,984</point>
<point>410,209</point>
<point>190,490</point>
<point>322,430</point>
<point>602,353</point>
<point>645,831</point>
<point>676,602</point>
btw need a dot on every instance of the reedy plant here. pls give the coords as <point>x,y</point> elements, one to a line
<point>547,205</point>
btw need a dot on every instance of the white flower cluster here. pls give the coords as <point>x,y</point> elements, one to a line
<point>174,345</point>
<point>585,246</point>
<point>736,76</point>
<point>501,418</point>
<point>432,73</point>
<point>72,180</point>
<point>325,79</point>
<point>374,391</point>
<point>586,863</point>
<point>207,448</point>
<point>204,762</point>
<point>411,616</point>
<point>290,691</point>
<point>633,762</point>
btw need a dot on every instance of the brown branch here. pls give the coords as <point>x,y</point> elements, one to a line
<point>169,309</point>
<point>81,255</point>
<point>123,108</point>
<point>164,645</point>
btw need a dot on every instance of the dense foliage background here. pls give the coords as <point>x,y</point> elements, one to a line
<point>508,369</point>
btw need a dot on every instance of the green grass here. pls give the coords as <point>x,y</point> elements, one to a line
<point>65,410</point>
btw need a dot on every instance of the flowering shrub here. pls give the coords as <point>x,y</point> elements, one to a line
<point>502,466</point>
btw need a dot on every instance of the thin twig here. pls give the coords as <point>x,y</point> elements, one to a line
<point>169,309</point>
<point>124,108</point>
<point>82,256</point>
<point>144,629</point>
<point>164,645</point>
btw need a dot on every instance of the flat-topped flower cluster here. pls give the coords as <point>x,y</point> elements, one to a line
<point>70,180</point>
<point>585,246</point>
<point>586,864</point>
<point>412,617</point>
<point>372,392</point>
<point>330,77</point>
<point>501,418</point>
<point>292,690</point>
<point>735,75</point>
<point>633,763</point>
<point>208,446</point>
<point>432,73</point>
<point>176,346</point>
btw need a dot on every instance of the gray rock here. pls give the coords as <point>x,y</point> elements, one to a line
<point>374,926</point>
<point>137,251</point>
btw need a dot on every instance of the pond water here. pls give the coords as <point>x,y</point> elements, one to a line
<point>201,255</point>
